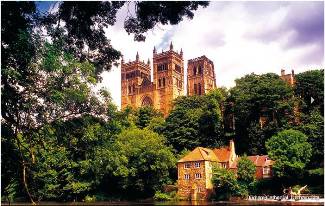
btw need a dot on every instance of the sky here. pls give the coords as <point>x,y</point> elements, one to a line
<point>239,37</point>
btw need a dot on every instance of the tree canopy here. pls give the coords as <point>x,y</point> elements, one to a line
<point>290,151</point>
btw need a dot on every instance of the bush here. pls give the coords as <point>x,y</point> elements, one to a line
<point>90,199</point>
<point>159,196</point>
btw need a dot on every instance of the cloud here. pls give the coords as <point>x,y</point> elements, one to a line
<point>239,37</point>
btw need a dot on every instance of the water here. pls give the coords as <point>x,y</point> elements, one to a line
<point>227,203</point>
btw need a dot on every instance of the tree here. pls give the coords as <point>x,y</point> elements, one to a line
<point>195,121</point>
<point>260,95</point>
<point>313,126</point>
<point>290,151</point>
<point>225,183</point>
<point>245,170</point>
<point>144,115</point>
<point>310,84</point>
<point>139,162</point>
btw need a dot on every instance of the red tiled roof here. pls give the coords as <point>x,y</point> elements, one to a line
<point>222,153</point>
<point>259,161</point>
<point>198,154</point>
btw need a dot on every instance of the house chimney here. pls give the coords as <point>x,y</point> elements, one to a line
<point>282,72</point>
<point>232,150</point>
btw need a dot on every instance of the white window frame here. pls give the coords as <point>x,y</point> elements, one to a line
<point>187,165</point>
<point>197,164</point>
<point>266,170</point>
<point>198,176</point>
<point>186,176</point>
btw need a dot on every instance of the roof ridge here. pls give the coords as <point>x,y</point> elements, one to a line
<point>201,152</point>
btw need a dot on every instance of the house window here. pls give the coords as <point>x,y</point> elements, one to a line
<point>266,171</point>
<point>197,165</point>
<point>187,165</point>
<point>198,176</point>
<point>187,176</point>
<point>199,189</point>
<point>162,67</point>
<point>224,165</point>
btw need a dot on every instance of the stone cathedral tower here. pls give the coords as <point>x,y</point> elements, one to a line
<point>168,81</point>
<point>200,76</point>
<point>168,77</point>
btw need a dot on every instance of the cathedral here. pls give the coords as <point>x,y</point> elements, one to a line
<point>168,79</point>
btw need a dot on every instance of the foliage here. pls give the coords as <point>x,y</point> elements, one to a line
<point>313,126</point>
<point>245,170</point>
<point>195,121</point>
<point>310,84</point>
<point>159,196</point>
<point>148,14</point>
<point>259,95</point>
<point>140,162</point>
<point>225,183</point>
<point>144,115</point>
<point>291,152</point>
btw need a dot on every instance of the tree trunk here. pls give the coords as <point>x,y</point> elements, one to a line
<point>26,185</point>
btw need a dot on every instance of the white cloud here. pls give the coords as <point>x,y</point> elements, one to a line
<point>221,32</point>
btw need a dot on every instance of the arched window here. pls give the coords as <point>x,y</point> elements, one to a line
<point>147,102</point>
<point>195,89</point>
<point>133,90</point>
<point>199,88</point>
<point>200,70</point>
<point>164,82</point>
<point>194,71</point>
<point>130,90</point>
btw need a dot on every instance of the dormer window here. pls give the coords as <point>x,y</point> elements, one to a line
<point>197,164</point>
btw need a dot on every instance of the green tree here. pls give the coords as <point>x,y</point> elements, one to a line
<point>139,163</point>
<point>310,84</point>
<point>259,95</point>
<point>313,126</point>
<point>195,121</point>
<point>144,115</point>
<point>245,170</point>
<point>225,183</point>
<point>290,151</point>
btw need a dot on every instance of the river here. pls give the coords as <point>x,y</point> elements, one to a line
<point>227,203</point>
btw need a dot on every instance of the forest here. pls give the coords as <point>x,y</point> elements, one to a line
<point>61,141</point>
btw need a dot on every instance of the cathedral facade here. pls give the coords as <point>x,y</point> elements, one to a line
<point>139,89</point>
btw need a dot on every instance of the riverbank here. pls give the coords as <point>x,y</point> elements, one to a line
<point>228,203</point>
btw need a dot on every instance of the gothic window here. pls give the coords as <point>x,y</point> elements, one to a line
<point>164,82</point>
<point>194,71</point>
<point>195,89</point>
<point>200,70</point>
<point>147,102</point>
<point>130,90</point>
<point>133,90</point>
<point>199,88</point>
<point>162,67</point>
<point>159,82</point>
<point>178,68</point>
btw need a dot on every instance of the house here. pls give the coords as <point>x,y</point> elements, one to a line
<point>195,169</point>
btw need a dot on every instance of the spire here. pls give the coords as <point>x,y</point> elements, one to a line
<point>148,62</point>
<point>181,53</point>
<point>171,47</point>
<point>154,50</point>
<point>137,57</point>
<point>122,61</point>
